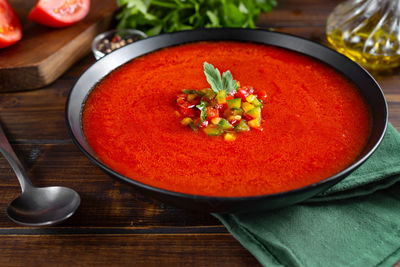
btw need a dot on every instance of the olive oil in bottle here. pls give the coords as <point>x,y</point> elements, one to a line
<point>368,32</point>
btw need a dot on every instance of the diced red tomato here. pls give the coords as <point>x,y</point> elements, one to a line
<point>242,93</point>
<point>212,113</point>
<point>247,117</point>
<point>195,101</point>
<point>187,112</point>
<point>59,13</point>
<point>180,101</point>
<point>10,28</point>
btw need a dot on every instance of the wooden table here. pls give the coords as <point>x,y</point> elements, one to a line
<point>116,226</point>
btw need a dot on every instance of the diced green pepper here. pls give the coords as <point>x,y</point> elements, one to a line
<point>224,124</point>
<point>213,131</point>
<point>256,103</point>
<point>200,93</point>
<point>242,127</point>
<point>188,92</point>
<point>255,112</point>
<point>234,103</point>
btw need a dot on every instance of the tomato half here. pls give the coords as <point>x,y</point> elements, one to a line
<point>10,28</point>
<point>59,13</point>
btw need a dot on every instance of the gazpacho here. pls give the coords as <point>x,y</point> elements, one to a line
<point>312,122</point>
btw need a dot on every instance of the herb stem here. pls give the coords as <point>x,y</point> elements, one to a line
<point>170,5</point>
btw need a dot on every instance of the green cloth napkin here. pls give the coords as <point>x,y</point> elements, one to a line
<point>355,223</point>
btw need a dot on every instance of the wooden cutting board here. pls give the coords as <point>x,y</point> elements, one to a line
<point>44,53</point>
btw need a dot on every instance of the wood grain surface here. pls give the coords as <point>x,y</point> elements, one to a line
<point>44,53</point>
<point>115,226</point>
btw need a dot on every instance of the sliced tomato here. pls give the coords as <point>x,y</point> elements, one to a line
<point>59,13</point>
<point>10,28</point>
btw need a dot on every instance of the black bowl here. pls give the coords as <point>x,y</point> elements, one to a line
<point>367,85</point>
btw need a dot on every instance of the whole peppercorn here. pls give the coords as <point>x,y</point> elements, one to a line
<point>109,44</point>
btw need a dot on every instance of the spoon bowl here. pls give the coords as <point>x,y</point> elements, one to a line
<point>44,206</point>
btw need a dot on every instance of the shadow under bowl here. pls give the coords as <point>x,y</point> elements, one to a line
<point>361,78</point>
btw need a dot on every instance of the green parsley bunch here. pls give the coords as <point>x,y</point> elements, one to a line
<point>156,16</point>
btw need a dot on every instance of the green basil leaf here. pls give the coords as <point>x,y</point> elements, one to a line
<point>228,83</point>
<point>213,77</point>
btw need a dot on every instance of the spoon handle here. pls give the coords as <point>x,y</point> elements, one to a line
<point>8,153</point>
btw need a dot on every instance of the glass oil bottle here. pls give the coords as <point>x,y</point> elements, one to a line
<point>368,32</point>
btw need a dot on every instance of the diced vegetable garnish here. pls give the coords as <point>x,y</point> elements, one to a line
<point>221,97</point>
<point>225,108</point>
<point>234,103</point>
<point>242,127</point>
<point>186,121</point>
<point>216,120</point>
<point>208,93</point>
<point>213,130</point>
<point>191,97</point>
<point>212,112</point>
<point>186,91</point>
<point>251,98</point>
<point>225,125</point>
<point>246,106</point>
<point>238,111</point>
<point>229,137</point>
<point>255,123</point>
<point>255,112</point>
<point>257,103</point>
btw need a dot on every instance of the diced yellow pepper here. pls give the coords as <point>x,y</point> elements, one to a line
<point>251,98</point>
<point>186,121</point>
<point>215,120</point>
<point>221,97</point>
<point>229,137</point>
<point>234,118</point>
<point>255,123</point>
<point>191,97</point>
<point>177,113</point>
<point>247,106</point>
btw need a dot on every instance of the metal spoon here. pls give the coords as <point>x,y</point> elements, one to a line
<point>37,206</point>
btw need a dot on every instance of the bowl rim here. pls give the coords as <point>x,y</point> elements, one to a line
<point>333,179</point>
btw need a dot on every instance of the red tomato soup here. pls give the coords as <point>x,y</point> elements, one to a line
<point>315,124</point>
